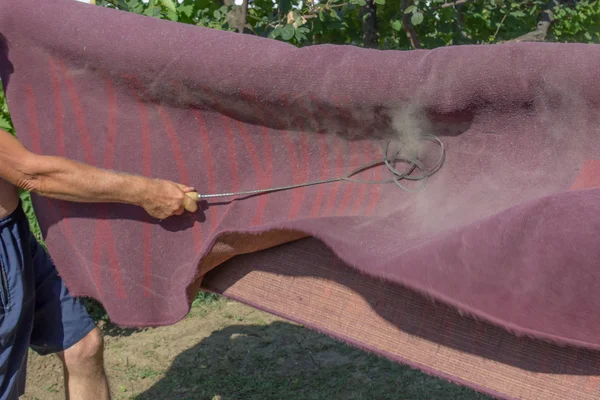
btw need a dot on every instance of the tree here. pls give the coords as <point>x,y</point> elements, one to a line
<point>386,24</point>
<point>383,24</point>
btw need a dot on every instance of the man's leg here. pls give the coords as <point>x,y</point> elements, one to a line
<point>16,304</point>
<point>84,368</point>
<point>62,326</point>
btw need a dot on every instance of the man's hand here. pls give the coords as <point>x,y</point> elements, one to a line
<point>165,199</point>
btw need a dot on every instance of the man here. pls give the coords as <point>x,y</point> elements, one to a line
<point>36,309</point>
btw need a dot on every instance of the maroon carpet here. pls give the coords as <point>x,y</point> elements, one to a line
<point>506,232</point>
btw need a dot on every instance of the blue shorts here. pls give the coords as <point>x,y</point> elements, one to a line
<point>36,310</point>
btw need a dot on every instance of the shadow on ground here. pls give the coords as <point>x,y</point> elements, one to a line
<point>285,361</point>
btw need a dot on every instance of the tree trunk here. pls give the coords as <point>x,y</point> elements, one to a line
<point>459,26</point>
<point>243,17</point>
<point>369,24</point>
<point>238,15</point>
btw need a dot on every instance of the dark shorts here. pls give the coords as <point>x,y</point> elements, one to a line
<point>36,309</point>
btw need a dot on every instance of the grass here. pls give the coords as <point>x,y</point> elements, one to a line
<point>261,357</point>
<point>30,212</point>
<point>134,372</point>
<point>264,358</point>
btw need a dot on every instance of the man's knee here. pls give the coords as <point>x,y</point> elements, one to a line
<point>86,353</point>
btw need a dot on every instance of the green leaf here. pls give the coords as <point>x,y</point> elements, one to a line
<point>275,33</point>
<point>361,3</point>
<point>410,9</point>
<point>168,4</point>
<point>186,10</point>
<point>517,13</point>
<point>300,36</point>
<point>173,16</point>
<point>587,36</point>
<point>334,14</point>
<point>287,32</point>
<point>5,124</point>
<point>152,11</point>
<point>217,14</point>
<point>380,2</point>
<point>417,18</point>
<point>124,5</point>
<point>397,25</point>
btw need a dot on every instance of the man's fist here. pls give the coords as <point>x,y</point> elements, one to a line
<point>164,199</point>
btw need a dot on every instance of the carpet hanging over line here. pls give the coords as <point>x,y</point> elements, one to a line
<point>485,276</point>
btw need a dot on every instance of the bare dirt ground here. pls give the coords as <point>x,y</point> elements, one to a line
<point>225,350</point>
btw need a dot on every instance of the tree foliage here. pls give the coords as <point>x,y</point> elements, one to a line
<point>384,24</point>
<point>5,121</point>
<point>399,24</point>
<point>433,23</point>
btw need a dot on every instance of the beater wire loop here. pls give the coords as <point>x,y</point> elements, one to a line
<point>390,161</point>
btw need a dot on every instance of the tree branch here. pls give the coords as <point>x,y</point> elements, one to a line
<point>452,4</point>
<point>500,25</point>
<point>408,26</point>
<point>313,12</point>
<point>541,31</point>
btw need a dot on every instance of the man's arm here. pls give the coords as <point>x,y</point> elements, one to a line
<point>65,179</point>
